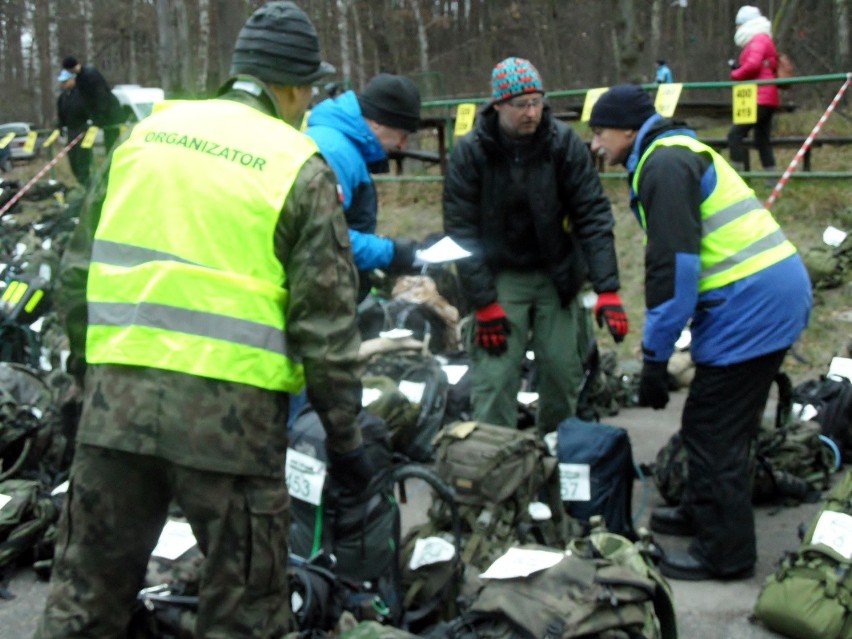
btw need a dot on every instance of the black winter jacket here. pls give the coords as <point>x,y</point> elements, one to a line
<point>572,219</point>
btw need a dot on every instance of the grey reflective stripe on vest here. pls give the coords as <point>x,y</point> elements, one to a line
<point>181,320</point>
<point>755,248</point>
<point>728,215</point>
<point>118,254</point>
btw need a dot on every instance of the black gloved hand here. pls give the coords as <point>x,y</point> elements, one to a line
<point>654,385</point>
<point>733,63</point>
<point>403,254</point>
<point>353,470</point>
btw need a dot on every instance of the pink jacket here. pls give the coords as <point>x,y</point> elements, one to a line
<point>758,61</point>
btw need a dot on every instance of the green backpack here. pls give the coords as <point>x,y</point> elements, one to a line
<point>790,462</point>
<point>810,595</point>
<point>496,474</point>
<point>604,585</point>
<point>26,514</point>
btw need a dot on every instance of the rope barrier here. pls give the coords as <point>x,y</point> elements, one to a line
<point>794,163</point>
<point>38,175</point>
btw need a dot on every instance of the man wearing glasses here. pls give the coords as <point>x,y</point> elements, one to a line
<point>522,194</point>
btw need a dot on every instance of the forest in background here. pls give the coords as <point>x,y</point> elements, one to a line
<point>447,46</point>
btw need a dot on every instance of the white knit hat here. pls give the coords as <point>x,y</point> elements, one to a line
<point>746,13</point>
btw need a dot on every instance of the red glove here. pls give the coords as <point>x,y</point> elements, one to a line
<point>492,327</point>
<point>610,310</point>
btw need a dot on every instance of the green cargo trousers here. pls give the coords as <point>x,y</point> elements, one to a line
<point>112,517</point>
<point>558,336</point>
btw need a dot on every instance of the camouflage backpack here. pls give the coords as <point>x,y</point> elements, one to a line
<point>411,398</point>
<point>500,478</point>
<point>828,266</point>
<point>789,461</point>
<point>26,513</point>
<point>810,594</point>
<point>33,443</point>
<point>603,586</point>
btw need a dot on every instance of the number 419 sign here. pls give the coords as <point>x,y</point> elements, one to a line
<point>745,103</point>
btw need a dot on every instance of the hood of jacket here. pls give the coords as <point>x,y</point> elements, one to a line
<point>343,114</point>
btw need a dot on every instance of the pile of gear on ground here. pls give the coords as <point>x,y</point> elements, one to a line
<point>523,537</point>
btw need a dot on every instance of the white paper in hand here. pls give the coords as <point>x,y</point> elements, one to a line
<point>444,250</point>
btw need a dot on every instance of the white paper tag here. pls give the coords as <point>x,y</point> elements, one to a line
<point>296,601</point>
<point>805,413</point>
<point>539,511</point>
<point>454,372</point>
<point>521,562</point>
<point>305,476</point>
<point>835,531</point>
<point>369,395</point>
<point>833,236</point>
<point>61,488</point>
<point>431,550</point>
<point>684,340</point>
<point>526,398</point>
<point>840,367</point>
<point>4,499</point>
<point>412,390</point>
<point>175,540</point>
<point>575,482</point>
<point>396,333</point>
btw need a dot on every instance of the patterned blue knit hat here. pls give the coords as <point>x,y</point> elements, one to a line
<point>514,76</point>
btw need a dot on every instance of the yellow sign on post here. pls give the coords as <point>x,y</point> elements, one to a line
<point>29,145</point>
<point>51,138</point>
<point>592,96</point>
<point>465,115</point>
<point>4,142</point>
<point>667,97</point>
<point>745,103</point>
<point>88,140</point>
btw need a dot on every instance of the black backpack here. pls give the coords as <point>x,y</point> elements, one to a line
<point>832,399</point>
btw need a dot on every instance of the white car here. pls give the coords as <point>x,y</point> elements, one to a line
<point>17,146</point>
<point>136,101</point>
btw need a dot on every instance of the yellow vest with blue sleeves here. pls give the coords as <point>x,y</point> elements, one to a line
<point>739,236</point>
<point>183,275</point>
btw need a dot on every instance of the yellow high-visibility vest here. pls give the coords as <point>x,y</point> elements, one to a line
<point>739,236</point>
<point>183,275</point>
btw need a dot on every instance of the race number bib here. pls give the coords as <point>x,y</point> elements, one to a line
<point>305,476</point>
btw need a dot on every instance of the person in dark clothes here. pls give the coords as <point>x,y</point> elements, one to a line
<point>103,107</point>
<point>73,118</point>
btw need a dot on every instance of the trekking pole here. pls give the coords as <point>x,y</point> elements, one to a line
<point>806,145</point>
<point>38,175</point>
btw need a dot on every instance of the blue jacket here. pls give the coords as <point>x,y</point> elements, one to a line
<point>753,316</point>
<point>351,148</point>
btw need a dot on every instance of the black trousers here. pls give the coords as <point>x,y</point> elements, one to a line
<point>720,421</point>
<point>762,138</point>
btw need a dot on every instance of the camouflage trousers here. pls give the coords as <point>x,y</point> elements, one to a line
<point>114,511</point>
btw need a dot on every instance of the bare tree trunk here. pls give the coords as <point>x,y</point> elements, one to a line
<point>627,41</point>
<point>343,33</point>
<point>203,45</point>
<point>422,39</point>
<point>359,47</point>
<point>168,46</point>
<point>43,74</point>
<point>88,30</point>
<point>841,15</point>
<point>181,20</point>
<point>656,28</point>
<point>230,17</point>
<point>132,66</point>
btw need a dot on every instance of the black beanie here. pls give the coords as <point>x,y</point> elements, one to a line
<point>625,106</point>
<point>69,62</point>
<point>279,44</point>
<point>392,100</point>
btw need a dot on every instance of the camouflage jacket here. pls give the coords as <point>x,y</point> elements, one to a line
<point>225,426</point>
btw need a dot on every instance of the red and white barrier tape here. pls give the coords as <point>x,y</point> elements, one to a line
<point>806,145</point>
<point>38,175</point>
